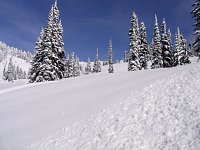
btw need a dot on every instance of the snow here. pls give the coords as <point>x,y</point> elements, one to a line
<point>148,109</point>
<point>16,61</point>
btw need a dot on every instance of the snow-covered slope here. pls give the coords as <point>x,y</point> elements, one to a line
<point>150,109</point>
<point>16,61</point>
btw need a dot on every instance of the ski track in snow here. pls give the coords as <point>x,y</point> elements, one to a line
<point>162,116</point>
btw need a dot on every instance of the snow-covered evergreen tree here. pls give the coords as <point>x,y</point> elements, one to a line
<point>97,63</point>
<point>134,37</point>
<point>166,47</point>
<point>169,37</point>
<point>143,52</point>
<point>76,67</point>
<point>157,52</point>
<point>71,65</point>
<point>126,56</point>
<point>10,75</point>
<point>48,63</point>
<point>110,57</point>
<point>177,47</point>
<point>37,59</point>
<point>88,68</point>
<point>67,62</point>
<point>196,14</point>
<point>181,56</point>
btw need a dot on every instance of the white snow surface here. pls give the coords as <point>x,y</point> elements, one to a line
<point>143,110</point>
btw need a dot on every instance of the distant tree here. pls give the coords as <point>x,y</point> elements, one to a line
<point>134,37</point>
<point>196,15</point>
<point>10,76</point>
<point>48,63</point>
<point>71,65</point>
<point>97,63</point>
<point>157,52</point>
<point>110,57</point>
<point>143,52</point>
<point>67,62</point>
<point>166,47</point>
<point>76,67</point>
<point>88,68</point>
<point>126,56</point>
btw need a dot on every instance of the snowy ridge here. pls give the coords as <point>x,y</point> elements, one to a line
<point>165,115</point>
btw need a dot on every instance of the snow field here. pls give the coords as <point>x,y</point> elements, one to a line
<point>164,115</point>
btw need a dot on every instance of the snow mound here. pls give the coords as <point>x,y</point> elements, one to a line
<point>164,115</point>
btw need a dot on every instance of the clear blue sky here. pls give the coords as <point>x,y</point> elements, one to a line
<point>88,24</point>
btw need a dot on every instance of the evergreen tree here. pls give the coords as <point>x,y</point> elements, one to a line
<point>143,53</point>
<point>183,56</point>
<point>71,65</point>
<point>169,37</point>
<point>166,47</point>
<point>196,14</point>
<point>48,63</point>
<point>177,47</point>
<point>110,57</point>
<point>97,63</point>
<point>88,67</point>
<point>126,56</point>
<point>76,67</point>
<point>10,71</point>
<point>37,59</point>
<point>134,63</point>
<point>181,53</point>
<point>157,52</point>
<point>66,74</point>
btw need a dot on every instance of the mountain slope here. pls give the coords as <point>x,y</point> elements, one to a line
<point>33,111</point>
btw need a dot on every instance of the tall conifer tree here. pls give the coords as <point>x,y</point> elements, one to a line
<point>134,62</point>
<point>166,50</point>
<point>157,61</point>
<point>196,14</point>
<point>143,52</point>
<point>110,57</point>
<point>48,63</point>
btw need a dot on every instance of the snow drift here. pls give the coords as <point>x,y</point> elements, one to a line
<point>150,109</point>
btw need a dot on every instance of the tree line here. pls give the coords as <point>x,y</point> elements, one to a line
<point>51,63</point>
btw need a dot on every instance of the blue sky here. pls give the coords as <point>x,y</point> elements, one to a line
<point>88,24</point>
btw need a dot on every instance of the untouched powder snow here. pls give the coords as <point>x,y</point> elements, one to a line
<point>149,109</point>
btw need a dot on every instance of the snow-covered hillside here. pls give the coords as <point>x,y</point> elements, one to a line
<point>149,109</point>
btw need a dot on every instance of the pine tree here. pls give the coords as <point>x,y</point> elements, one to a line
<point>76,67</point>
<point>88,67</point>
<point>10,71</point>
<point>97,63</point>
<point>126,56</point>
<point>196,14</point>
<point>177,47</point>
<point>37,59</point>
<point>166,47</point>
<point>48,63</point>
<point>181,53</point>
<point>67,62</point>
<point>184,57</point>
<point>134,63</point>
<point>157,52</point>
<point>169,37</point>
<point>110,58</point>
<point>143,53</point>
<point>71,65</point>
